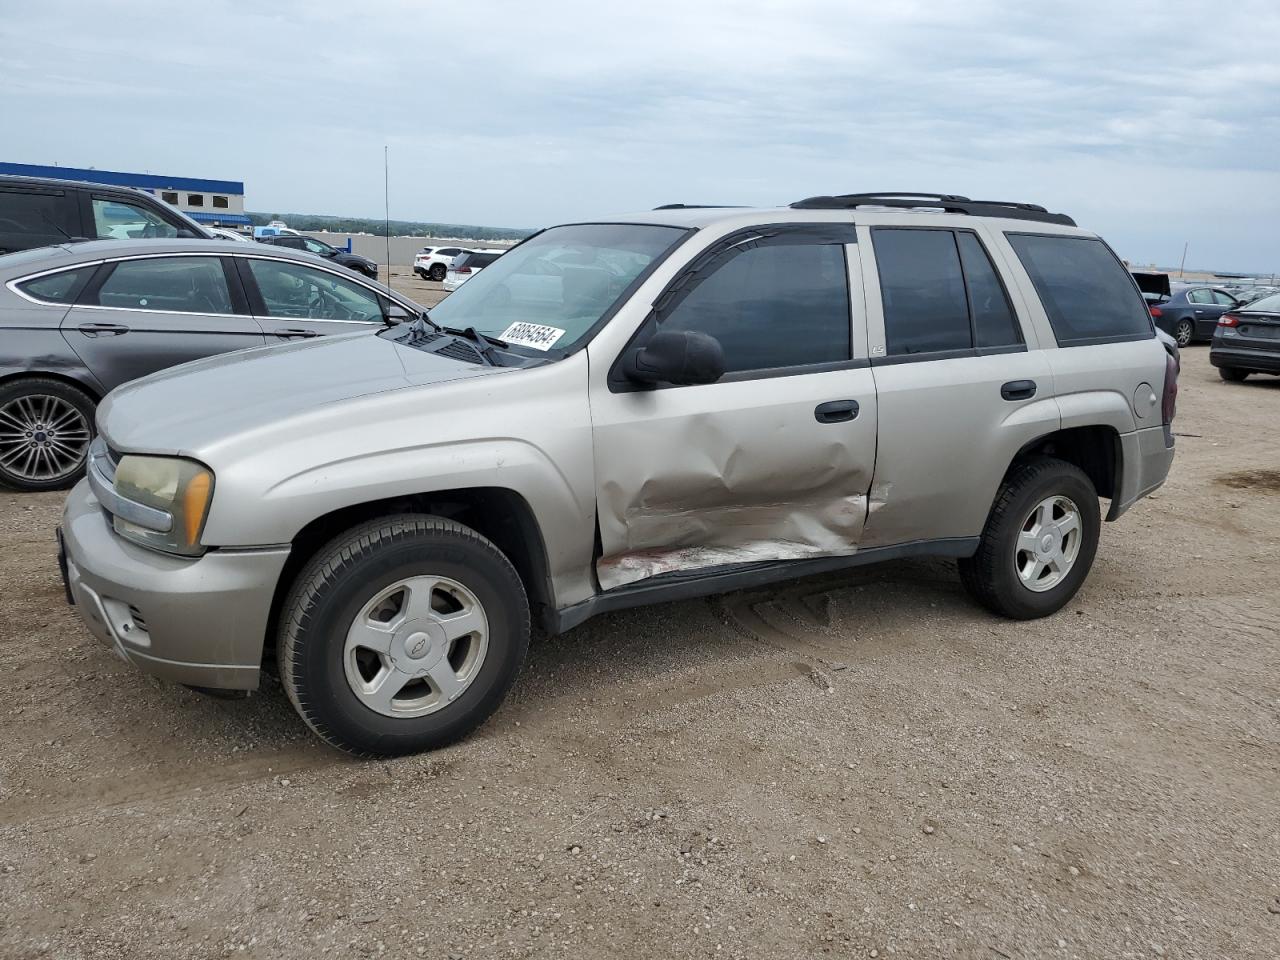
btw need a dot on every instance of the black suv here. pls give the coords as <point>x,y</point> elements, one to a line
<point>352,261</point>
<point>37,212</point>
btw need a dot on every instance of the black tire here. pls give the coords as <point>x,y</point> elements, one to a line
<point>37,389</point>
<point>1184,332</point>
<point>990,575</point>
<point>348,571</point>
<point>438,270</point>
<point>1232,374</point>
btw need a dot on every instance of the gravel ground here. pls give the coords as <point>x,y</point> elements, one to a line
<point>863,765</point>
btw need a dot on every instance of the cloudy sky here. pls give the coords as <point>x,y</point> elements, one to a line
<point>1153,123</point>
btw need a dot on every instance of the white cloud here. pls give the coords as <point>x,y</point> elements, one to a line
<point>1151,122</point>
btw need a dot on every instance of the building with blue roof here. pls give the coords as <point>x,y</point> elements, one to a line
<point>217,203</point>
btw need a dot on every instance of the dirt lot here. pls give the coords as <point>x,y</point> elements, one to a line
<point>862,765</point>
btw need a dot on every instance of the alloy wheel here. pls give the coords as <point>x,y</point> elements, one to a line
<point>42,438</point>
<point>416,646</point>
<point>1048,544</point>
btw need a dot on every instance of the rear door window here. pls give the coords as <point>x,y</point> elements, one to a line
<point>941,293</point>
<point>1202,295</point>
<point>1085,290</point>
<point>169,284</point>
<point>1223,299</point>
<point>35,219</point>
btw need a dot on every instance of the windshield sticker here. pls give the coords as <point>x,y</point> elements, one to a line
<point>531,335</point>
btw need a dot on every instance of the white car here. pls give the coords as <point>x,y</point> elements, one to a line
<point>434,262</point>
<point>468,265</point>
<point>222,233</point>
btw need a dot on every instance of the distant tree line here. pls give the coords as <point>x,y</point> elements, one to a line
<point>399,228</point>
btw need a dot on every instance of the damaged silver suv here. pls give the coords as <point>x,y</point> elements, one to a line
<point>643,409</point>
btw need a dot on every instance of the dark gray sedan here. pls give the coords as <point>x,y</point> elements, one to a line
<point>78,320</point>
<point>1247,340</point>
<point>1191,312</point>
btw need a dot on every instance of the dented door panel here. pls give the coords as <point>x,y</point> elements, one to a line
<point>733,472</point>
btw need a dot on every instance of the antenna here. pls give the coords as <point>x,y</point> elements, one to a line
<point>386,187</point>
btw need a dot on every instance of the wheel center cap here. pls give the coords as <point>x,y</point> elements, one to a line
<point>1046,543</point>
<point>41,436</point>
<point>419,646</point>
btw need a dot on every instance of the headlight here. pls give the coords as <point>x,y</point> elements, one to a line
<point>180,488</point>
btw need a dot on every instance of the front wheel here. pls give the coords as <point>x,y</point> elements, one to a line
<point>438,270</point>
<point>403,634</point>
<point>1232,374</point>
<point>1039,541</point>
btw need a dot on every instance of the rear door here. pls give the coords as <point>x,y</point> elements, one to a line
<point>771,462</point>
<point>960,382</point>
<point>294,300</point>
<point>36,217</point>
<point>142,314</point>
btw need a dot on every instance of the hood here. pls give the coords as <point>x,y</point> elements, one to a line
<point>195,405</point>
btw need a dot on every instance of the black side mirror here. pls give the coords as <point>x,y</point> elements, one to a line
<point>184,234</point>
<point>395,313</point>
<point>682,357</point>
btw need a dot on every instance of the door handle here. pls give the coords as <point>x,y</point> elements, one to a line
<point>297,332</point>
<point>103,329</point>
<point>1018,390</point>
<point>836,411</point>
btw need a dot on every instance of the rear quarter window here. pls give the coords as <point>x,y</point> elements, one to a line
<point>62,287</point>
<point>1086,292</point>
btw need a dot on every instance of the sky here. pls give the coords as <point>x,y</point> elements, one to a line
<point>1155,124</point>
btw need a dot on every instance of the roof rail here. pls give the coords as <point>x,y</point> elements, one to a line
<point>696,206</point>
<point>950,202</point>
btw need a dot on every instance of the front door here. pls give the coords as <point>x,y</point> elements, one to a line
<point>773,461</point>
<point>295,301</point>
<point>143,314</point>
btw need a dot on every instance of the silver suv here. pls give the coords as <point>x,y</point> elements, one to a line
<point>616,413</point>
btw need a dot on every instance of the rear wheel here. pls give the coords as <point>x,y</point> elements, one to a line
<point>438,270</point>
<point>1039,541</point>
<point>1183,331</point>
<point>402,635</point>
<point>45,429</point>
<point>1232,374</point>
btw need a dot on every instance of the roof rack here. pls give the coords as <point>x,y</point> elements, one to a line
<point>950,202</point>
<point>696,206</point>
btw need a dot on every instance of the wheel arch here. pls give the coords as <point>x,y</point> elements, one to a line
<point>1095,449</point>
<point>82,382</point>
<point>499,514</point>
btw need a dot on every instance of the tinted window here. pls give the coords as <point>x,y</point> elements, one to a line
<point>295,291</point>
<point>925,307</point>
<point>1085,290</point>
<point>774,306</point>
<point>1200,296</point>
<point>121,220</point>
<point>172,284</point>
<point>34,219</point>
<point>1223,299</point>
<point>449,252</point>
<point>993,322</point>
<point>314,246</point>
<point>1265,304</point>
<point>58,287</point>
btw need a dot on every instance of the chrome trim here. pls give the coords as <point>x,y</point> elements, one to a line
<point>12,285</point>
<point>116,505</point>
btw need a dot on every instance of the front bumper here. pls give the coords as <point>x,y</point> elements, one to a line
<point>196,621</point>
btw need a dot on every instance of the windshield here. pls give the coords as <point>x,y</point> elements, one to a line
<point>1269,304</point>
<point>552,290</point>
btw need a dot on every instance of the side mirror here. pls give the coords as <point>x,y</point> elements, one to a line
<point>184,234</point>
<point>682,357</point>
<point>395,313</point>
